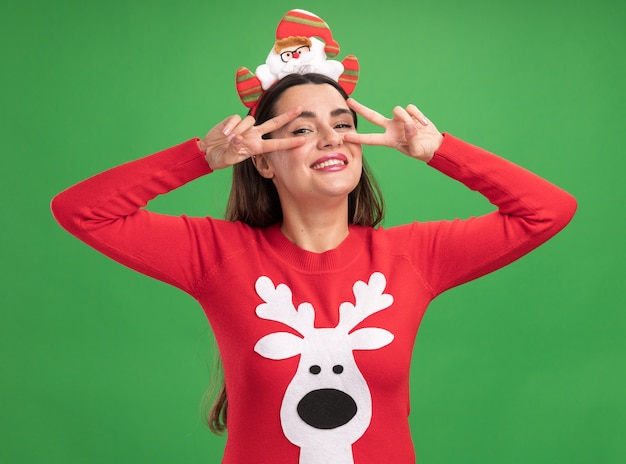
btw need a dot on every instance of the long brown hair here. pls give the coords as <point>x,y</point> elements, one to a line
<point>254,201</point>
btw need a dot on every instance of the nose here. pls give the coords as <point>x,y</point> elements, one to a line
<point>328,137</point>
<point>295,55</point>
<point>327,408</point>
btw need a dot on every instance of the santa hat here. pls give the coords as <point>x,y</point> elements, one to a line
<point>304,23</point>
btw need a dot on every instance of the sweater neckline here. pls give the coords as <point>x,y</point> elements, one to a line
<point>307,261</point>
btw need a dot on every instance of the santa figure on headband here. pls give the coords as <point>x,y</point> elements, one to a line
<point>297,54</point>
<point>303,44</point>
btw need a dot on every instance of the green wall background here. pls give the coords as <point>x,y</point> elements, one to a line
<point>102,365</point>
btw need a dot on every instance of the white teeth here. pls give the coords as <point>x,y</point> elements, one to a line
<point>325,164</point>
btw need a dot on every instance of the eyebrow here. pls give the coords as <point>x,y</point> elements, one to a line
<point>333,113</point>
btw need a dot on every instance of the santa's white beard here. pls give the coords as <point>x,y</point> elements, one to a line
<point>296,65</point>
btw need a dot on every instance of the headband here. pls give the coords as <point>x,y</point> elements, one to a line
<point>303,44</point>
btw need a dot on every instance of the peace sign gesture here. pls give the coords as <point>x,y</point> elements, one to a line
<point>408,131</point>
<point>234,139</point>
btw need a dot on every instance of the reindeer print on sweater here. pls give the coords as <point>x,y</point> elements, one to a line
<point>327,406</point>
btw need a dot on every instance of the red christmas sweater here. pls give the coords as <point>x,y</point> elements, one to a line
<point>316,348</point>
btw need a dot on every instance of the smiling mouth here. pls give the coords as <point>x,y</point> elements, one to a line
<point>329,163</point>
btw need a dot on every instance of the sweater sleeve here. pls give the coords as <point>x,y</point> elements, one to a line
<point>106,212</point>
<point>530,210</point>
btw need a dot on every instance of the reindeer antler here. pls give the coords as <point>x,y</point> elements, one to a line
<point>279,306</point>
<point>369,299</point>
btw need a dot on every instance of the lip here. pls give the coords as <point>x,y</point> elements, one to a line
<point>332,159</point>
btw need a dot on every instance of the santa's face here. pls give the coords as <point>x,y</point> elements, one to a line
<point>297,58</point>
<point>294,53</point>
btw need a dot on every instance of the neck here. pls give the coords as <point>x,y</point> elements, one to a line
<point>316,229</point>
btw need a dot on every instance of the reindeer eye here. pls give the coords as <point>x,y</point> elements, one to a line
<point>315,369</point>
<point>338,369</point>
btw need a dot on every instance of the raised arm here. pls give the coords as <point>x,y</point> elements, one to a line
<point>107,211</point>
<point>530,210</point>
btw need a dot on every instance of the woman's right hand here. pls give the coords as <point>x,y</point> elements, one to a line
<point>234,139</point>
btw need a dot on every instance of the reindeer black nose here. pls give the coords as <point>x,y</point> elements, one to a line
<point>327,408</point>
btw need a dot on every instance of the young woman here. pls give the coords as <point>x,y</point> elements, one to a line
<point>315,309</point>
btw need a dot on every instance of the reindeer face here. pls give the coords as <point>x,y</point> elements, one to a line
<point>328,400</point>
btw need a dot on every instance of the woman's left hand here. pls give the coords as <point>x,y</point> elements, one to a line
<point>409,131</point>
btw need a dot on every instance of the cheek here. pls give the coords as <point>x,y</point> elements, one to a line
<point>284,162</point>
<point>357,154</point>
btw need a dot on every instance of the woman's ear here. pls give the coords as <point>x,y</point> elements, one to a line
<point>261,165</point>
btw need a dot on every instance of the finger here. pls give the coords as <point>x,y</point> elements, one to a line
<point>272,145</point>
<point>230,123</point>
<point>366,139</point>
<point>279,121</point>
<point>242,127</point>
<point>417,114</point>
<point>368,113</point>
<point>402,115</point>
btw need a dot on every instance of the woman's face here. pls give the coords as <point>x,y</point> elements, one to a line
<point>324,167</point>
